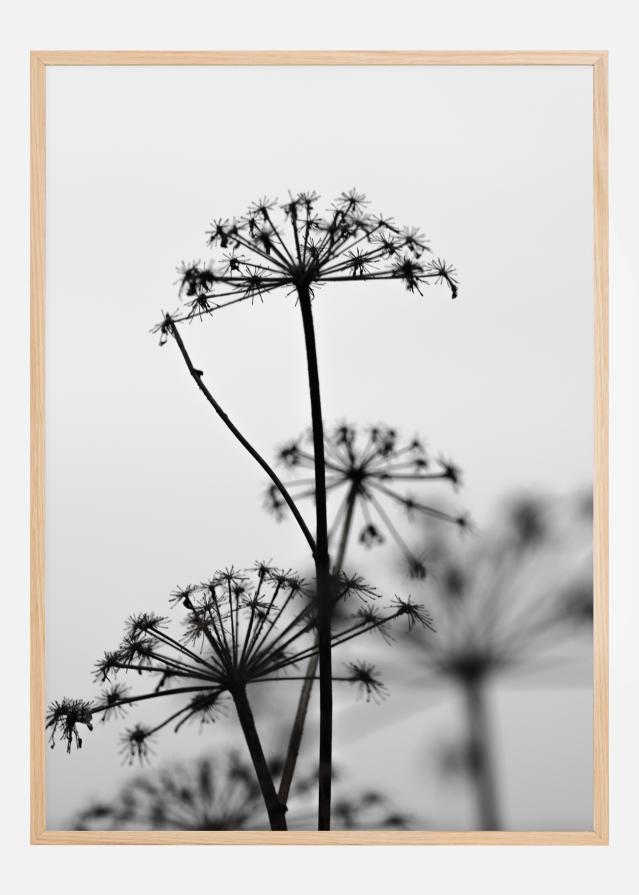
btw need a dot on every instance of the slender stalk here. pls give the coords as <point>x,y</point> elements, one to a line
<point>482,766</point>
<point>275,809</point>
<point>346,528</point>
<point>128,700</point>
<point>297,731</point>
<point>197,376</point>
<point>322,568</point>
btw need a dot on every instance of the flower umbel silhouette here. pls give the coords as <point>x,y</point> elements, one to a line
<point>366,469</point>
<point>240,628</point>
<point>273,247</point>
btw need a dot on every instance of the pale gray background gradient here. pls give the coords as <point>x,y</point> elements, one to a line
<point>145,490</point>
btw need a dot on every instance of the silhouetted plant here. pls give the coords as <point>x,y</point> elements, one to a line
<point>502,607</point>
<point>365,469</point>
<point>303,248</point>
<point>300,253</point>
<point>240,628</point>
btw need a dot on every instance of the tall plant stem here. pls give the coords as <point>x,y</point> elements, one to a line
<point>275,809</point>
<point>346,528</point>
<point>297,731</point>
<point>481,757</point>
<point>322,568</point>
<point>197,376</point>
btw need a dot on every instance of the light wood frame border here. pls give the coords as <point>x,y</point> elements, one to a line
<point>598,61</point>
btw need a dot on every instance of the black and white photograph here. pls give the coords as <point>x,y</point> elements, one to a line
<point>319,430</point>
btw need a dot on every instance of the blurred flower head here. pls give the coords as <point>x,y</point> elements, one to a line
<point>222,794</point>
<point>203,795</point>
<point>513,599</point>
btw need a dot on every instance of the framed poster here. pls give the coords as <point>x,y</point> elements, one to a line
<point>326,510</point>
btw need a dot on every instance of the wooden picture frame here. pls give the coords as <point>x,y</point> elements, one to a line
<point>597,61</point>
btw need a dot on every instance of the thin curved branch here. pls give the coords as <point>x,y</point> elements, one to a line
<point>197,376</point>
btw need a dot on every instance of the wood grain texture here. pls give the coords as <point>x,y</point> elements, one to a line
<point>599,834</point>
<point>600,627</point>
<point>315,837</point>
<point>37,269</point>
<point>318,57</point>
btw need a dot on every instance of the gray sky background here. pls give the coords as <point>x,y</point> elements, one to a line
<point>146,490</point>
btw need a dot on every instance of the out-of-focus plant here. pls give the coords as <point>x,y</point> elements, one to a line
<point>222,794</point>
<point>202,795</point>
<point>508,603</point>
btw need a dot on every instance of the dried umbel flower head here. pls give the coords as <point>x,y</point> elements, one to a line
<point>529,521</point>
<point>240,627</point>
<point>222,794</point>
<point>369,472</point>
<point>509,600</point>
<point>508,604</point>
<point>112,697</point>
<point>63,718</point>
<point>136,743</point>
<point>369,811</point>
<point>204,795</point>
<point>292,246</point>
<point>369,684</point>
